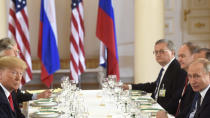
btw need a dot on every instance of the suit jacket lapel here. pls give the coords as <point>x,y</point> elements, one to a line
<point>14,102</point>
<point>204,104</point>
<point>167,73</point>
<point>4,97</point>
<point>5,100</point>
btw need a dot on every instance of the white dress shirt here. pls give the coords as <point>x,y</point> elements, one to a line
<point>7,93</point>
<point>163,73</point>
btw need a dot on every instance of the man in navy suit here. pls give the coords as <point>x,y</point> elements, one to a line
<point>170,79</point>
<point>8,47</point>
<point>185,58</point>
<point>199,78</point>
<point>11,72</point>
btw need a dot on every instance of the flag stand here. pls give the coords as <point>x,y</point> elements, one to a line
<point>51,85</point>
<point>79,82</point>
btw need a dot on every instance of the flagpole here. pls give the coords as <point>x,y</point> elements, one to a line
<point>79,82</point>
<point>51,85</point>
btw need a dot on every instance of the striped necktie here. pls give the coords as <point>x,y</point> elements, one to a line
<point>157,83</point>
<point>197,100</point>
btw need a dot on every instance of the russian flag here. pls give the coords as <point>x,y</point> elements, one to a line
<point>47,47</point>
<point>105,31</point>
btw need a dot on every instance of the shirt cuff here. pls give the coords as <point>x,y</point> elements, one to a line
<point>130,87</point>
<point>34,96</point>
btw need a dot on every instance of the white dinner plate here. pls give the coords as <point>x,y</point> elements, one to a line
<point>45,103</point>
<point>46,114</point>
<point>150,110</point>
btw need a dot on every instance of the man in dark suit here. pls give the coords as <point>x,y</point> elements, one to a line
<point>11,72</point>
<point>185,57</point>
<point>170,79</point>
<point>8,47</point>
<point>199,78</point>
<point>195,103</point>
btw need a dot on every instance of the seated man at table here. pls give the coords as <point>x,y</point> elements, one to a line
<point>185,58</point>
<point>11,72</point>
<point>199,79</point>
<point>186,55</point>
<point>170,79</point>
<point>8,47</point>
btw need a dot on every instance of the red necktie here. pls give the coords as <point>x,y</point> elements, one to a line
<point>183,92</point>
<point>11,102</point>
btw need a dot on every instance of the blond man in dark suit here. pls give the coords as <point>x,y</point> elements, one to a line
<point>11,72</point>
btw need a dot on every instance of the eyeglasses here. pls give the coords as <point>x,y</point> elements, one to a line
<point>159,51</point>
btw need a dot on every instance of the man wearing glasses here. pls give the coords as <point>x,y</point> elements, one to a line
<point>170,79</point>
<point>185,57</point>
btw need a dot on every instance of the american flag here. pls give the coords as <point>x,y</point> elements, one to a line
<point>77,53</point>
<point>19,30</point>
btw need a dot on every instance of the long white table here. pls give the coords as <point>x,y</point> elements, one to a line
<point>98,105</point>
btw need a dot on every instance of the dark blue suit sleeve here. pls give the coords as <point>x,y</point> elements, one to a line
<point>148,87</point>
<point>23,97</point>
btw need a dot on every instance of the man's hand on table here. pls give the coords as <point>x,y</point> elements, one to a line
<point>125,87</point>
<point>44,94</point>
<point>161,114</point>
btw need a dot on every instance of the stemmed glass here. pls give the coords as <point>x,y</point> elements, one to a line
<point>105,85</point>
<point>73,85</point>
<point>65,82</point>
<point>118,89</point>
<point>111,80</point>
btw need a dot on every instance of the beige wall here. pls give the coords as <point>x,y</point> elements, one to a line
<point>3,21</point>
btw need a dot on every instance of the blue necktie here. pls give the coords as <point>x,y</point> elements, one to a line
<point>157,83</point>
<point>197,100</point>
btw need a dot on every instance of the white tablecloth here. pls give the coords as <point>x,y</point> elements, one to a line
<point>97,105</point>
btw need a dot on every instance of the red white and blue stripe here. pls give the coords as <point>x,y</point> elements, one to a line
<point>19,30</point>
<point>47,47</point>
<point>106,33</point>
<point>77,53</point>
